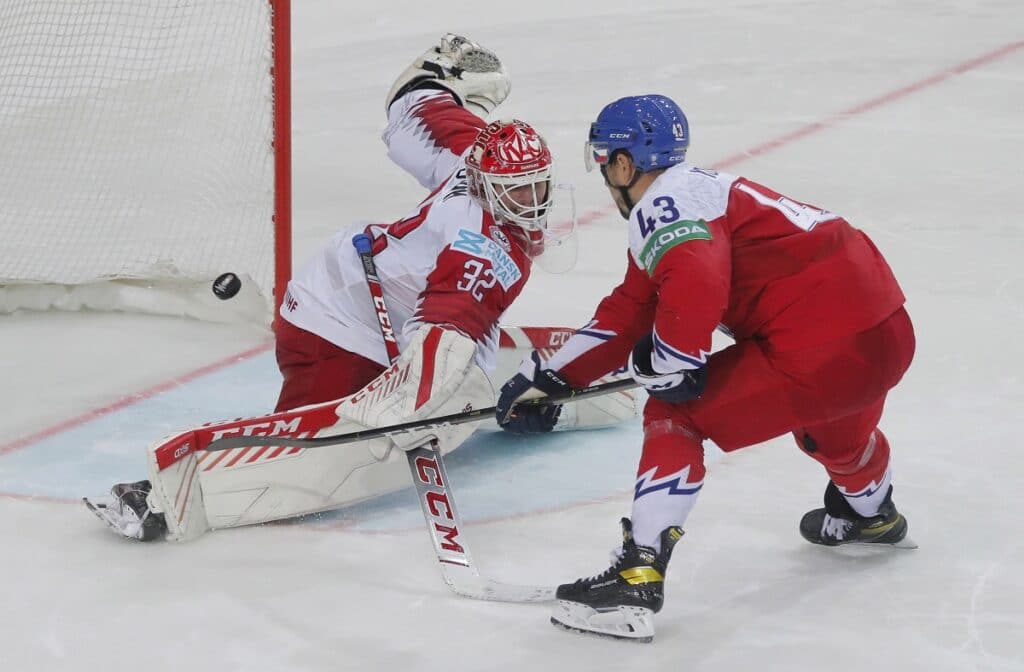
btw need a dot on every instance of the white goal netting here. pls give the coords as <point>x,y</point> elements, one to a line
<point>137,145</point>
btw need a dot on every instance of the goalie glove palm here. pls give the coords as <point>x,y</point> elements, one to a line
<point>531,379</point>
<point>473,74</point>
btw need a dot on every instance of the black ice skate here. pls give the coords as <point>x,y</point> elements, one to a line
<point>128,513</point>
<point>839,524</point>
<point>620,601</point>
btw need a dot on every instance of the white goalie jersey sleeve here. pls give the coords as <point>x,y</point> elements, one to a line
<point>427,134</point>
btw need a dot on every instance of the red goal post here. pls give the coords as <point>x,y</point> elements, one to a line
<point>147,150</point>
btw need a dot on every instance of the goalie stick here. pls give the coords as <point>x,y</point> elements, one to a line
<point>432,487</point>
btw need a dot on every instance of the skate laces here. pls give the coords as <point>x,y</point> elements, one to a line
<point>617,557</point>
<point>836,528</point>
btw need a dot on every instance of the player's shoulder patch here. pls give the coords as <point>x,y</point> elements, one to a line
<point>499,237</point>
<point>480,246</point>
<point>667,237</point>
<point>676,209</point>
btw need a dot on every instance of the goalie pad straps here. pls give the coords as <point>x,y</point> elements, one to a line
<point>473,74</point>
<point>436,375</point>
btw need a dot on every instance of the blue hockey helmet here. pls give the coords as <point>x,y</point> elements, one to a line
<point>652,128</point>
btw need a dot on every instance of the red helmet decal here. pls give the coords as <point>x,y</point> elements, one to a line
<point>515,145</point>
<point>508,148</point>
<point>509,170</point>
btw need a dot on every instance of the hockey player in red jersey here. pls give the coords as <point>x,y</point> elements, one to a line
<point>449,269</point>
<point>820,334</point>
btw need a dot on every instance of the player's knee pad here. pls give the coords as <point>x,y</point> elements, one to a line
<point>472,73</point>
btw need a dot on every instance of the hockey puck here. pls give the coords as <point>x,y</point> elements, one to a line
<point>226,285</point>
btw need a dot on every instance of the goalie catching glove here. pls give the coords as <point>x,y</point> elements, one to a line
<point>473,74</point>
<point>532,381</point>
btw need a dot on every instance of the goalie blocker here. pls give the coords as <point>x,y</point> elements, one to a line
<point>197,490</point>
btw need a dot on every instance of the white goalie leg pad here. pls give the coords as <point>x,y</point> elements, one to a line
<point>176,490</point>
<point>625,622</point>
<point>604,411</point>
<point>294,482</point>
<point>436,375</point>
<point>199,490</point>
<point>472,73</point>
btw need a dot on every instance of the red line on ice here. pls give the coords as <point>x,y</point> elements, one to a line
<point>131,399</point>
<point>585,218</point>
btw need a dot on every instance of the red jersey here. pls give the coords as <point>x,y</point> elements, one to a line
<point>712,250</point>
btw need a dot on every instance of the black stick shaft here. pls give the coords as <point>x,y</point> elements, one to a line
<point>476,415</point>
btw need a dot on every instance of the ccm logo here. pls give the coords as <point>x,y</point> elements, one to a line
<point>559,337</point>
<point>436,499</point>
<point>384,319</point>
<point>390,379</point>
<point>263,428</point>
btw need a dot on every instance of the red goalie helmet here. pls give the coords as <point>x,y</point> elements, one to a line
<point>509,169</point>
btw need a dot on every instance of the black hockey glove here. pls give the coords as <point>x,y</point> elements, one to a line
<point>529,418</point>
<point>671,387</point>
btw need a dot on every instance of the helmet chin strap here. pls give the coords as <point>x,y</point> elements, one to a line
<point>624,190</point>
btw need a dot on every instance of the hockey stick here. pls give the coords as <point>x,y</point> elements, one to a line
<point>476,415</point>
<point>431,481</point>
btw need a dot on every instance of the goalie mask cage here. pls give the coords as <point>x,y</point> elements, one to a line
<point>146,151</point>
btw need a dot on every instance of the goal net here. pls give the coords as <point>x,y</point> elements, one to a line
<point>145,151</point>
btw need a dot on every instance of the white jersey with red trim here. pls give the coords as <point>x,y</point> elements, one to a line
<point>447,262</point>
<point>428,134</point>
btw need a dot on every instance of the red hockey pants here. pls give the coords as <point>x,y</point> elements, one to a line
<point>315,370</point>
<point>829,397</point>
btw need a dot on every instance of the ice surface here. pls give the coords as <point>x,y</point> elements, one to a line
<point>926,160</point>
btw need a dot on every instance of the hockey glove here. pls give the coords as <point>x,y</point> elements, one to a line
<point>529,419</point>
<point>472,73</point>
<point>672,387</point>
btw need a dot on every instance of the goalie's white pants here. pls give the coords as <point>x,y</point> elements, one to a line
<point>199,490</point>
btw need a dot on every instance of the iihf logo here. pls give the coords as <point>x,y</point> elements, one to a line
<point>499,237</point>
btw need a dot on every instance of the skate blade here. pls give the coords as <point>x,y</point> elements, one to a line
<point>123,527</point>
<point>867,548</point>
<point>905,543</point>
<point>634,624</point>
